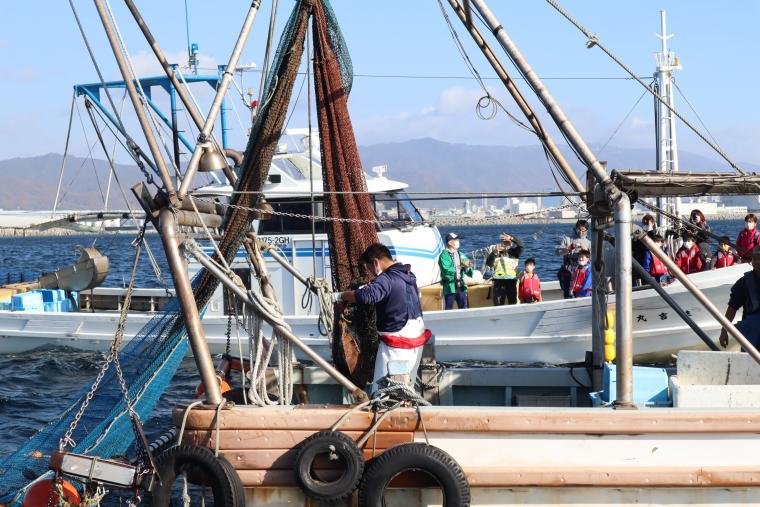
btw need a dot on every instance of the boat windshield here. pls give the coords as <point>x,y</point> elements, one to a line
<point>396,206</point>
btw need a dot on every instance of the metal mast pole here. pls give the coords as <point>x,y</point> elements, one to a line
<point>229,71</point>
<point>135,99</point>
<point>667,62</point>
<point>556,112</point>
<point>168,68</point>
<point>518,97</point>
<point>617,200</point>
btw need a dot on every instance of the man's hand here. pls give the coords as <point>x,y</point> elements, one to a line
<point>723,338</point>
<point>336,297</point>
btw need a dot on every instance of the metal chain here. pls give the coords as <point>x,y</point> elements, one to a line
<point>113,353</point>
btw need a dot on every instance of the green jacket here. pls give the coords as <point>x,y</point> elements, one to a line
<point>448,272</point>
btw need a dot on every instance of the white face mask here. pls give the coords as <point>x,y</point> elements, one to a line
<point>454,244</point>
<point>648,227</point>
<point>750,225</point>
<point>529,269</point>
<point>378,271</point>
<point>582,234</point>
<point>583,262</point>
<point>688,244</point>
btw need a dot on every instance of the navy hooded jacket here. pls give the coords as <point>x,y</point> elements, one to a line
<point>394,294</point>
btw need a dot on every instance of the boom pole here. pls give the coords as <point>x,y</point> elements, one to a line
<point>518,97</point>
<point>134,97</point>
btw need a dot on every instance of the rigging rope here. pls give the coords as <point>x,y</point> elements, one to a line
<point>593,40</point>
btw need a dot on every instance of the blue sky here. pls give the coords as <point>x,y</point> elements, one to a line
<point>42,56</point>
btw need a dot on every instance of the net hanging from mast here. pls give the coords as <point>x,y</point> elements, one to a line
<point>354,343</point>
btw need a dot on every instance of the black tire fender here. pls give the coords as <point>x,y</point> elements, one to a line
<point>201,467</point>
<point>338,446</point>
<point>435,462</point>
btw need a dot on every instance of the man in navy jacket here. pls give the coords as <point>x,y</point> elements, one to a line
<point>398,311</point>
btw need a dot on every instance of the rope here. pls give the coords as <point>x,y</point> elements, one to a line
<point>593,40</point>
<point>132,148</point>
<point>111,165</point>
<point>390,390</point>
<point>184,420</point>
<point>326,321</point>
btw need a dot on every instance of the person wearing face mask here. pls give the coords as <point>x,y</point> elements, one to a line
<point>748,238</point>
<point>725,256</point>
<point>529,284</point>
<point>745,294</point>
<point>689,258</point>
<point>701,236</point>
<point>454,266</point>
<point>569,249</point>
<point>398,312</point>
<point>582,275</point>
<point>503,259</point>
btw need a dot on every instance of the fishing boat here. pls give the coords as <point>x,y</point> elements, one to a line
<point>251,445</point>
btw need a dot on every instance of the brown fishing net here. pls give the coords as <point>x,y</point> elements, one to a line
<point>265,135</point>
<point>355,335</point>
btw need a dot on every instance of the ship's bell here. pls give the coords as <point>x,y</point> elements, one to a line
<point>211,160</point>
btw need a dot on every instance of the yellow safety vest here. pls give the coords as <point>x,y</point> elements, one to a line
<point>505,268</point>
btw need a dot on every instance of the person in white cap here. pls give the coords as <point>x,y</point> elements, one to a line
<point>454,265</point>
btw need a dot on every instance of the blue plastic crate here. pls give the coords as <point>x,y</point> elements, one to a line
<point>650,385</point>
<point>27,301</point>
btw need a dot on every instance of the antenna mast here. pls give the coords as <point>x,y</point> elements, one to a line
<point>667,62</point>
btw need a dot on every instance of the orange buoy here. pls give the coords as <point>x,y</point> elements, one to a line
<point>223,386</point>
<point>45,492</point>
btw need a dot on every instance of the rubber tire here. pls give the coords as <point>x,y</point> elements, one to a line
<point>415,456</point>
<point>197,461</point>
<point>324,442</point>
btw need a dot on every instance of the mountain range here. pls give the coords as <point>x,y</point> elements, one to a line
<point>427,165</point>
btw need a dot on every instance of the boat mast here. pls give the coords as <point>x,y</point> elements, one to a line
<point>667,62</point>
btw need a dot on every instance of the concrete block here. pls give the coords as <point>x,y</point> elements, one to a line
<point>717,368</point>
<point>714,396</point>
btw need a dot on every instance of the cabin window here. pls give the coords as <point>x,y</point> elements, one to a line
<point>237,308</point>
<point>396,206</point>
<point>283,224</point>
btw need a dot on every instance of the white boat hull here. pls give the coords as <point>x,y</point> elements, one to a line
<point>553,332</point>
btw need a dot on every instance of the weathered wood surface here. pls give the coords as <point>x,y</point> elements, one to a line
<point>284,439</point>
<point>471,419</point>
<point>555,477</point>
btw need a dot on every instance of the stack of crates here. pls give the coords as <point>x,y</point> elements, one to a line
<point>55,300</point>
<point>28,302</point>
<point>39,300</point>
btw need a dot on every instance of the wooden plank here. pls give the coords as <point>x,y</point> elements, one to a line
<point>473,419</point>
<point>284,439</point>
<point>556,477</point>
<point>614,477</point>
<point>265,459</point>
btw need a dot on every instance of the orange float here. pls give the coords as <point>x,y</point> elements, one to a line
<point>44,493</point>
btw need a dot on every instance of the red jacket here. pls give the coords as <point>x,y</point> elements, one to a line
<point>746,241</point>
<point>689,261</point>
<point>530,288</point>
<point>724,260</point>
